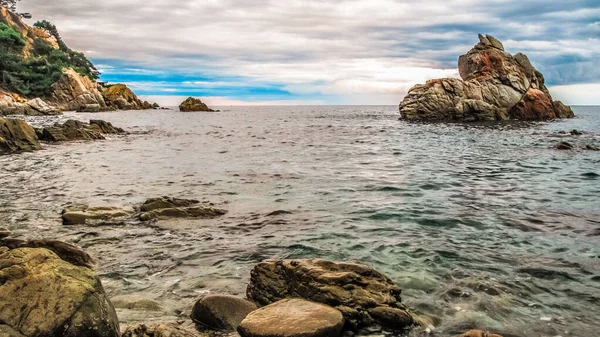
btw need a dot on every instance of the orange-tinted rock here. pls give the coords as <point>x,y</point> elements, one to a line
<point>478,333</point>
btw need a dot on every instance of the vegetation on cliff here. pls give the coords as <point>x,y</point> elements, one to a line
<point>32,59</point>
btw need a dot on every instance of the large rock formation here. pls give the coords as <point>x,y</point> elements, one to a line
<point>73,92</point>
<point>17,136</point>
<point>495,85</point>
<point>49,288</point>
<point>193,104</point>
<point>119,96</point>
<point>363,295</point>
<point>14,104</point>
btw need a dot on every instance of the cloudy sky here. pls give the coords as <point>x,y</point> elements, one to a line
<point>320,51</point>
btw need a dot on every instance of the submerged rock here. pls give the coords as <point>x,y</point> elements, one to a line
<point>160,330</point>
<point>363,295</point>
<point>564,146</point>
<point>167,207</point>
<point>60,296</point>
<point>478,333</point>
<point>495,85</point>
<point>293,317</point>
<point>221,312</point>
<point>193,104</point>
<point>84,214</point>
<point>135,302</point>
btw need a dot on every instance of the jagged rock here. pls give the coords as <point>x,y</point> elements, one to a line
<point>222,312</point>
<point>73,130</point>
<point>42,107</point>
<point>17,136</point>
<point>155,106</point>
<point>83,214</point>
<point>90,108</point>
<point>73,92</point>
<point>13,104</point>
<point>495,86</point>
<point>293,317</point>
<point>478,333</point>
<point>58,294</point>
<point>166,207</point>
<point>363,295</point>
<point>592,148</point>
<point>193,104</point>
<point>576,133</point>
<point>119,96</point>
<point>106,127</point>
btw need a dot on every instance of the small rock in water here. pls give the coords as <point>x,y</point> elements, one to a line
<point>545,319</point>
<point>135,302</point>
<point>478,333</point>
<point>564,146</point>
<point>592,148</point>
<point>222,312</point>
<point>293,318</point>
<point>4,233</point>
<point>576,133</point>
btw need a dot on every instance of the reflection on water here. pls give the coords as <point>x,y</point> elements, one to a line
<point>482,225</point>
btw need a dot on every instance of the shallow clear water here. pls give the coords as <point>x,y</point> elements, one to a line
<point>482,225</point>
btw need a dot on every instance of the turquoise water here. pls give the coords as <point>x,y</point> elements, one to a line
<point>483,225</point>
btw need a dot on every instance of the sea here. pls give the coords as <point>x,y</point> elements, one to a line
<point>482,225</point>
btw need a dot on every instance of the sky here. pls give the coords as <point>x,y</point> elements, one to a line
<point>258,52</point>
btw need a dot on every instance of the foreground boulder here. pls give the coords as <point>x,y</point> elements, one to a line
<point>17,136</point>
<point>73,130</point>
<point>293,317</point>
<point>221,312</point>
<point>193,104</point>
<point>50,288</point>
<point>167,207</point>
<point>495,85</point>
<point>363,295</point>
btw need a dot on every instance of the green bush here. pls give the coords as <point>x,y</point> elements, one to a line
<point>35,75</point>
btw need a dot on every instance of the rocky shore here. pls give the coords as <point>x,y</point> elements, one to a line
<point>57,285</point>
<point>495,85</point>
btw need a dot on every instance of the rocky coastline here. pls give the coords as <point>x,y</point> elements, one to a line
<point>57,285</point>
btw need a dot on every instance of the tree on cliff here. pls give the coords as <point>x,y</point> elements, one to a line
<point>12,6</point>
<point>77,59</point>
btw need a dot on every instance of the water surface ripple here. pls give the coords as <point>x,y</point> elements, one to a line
<point>482,225</point>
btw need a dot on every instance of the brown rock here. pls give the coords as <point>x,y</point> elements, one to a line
<point>293,318</point>
<point>193,104</point>
<point>73,130</point>
<point>17,136</point>
<point>56,294</point>
<point>119,96</point>
<point>83,214</point>
<point>355,290</point>
<point>73,92</point>
<point>495,86</point>
<point>160,330</point>
<point>222,312</point>
<point>564,146</point>
<point>167,207</point>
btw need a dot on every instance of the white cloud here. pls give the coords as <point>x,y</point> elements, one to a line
<point>377,48</point>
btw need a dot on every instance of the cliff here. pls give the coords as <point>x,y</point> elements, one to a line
<point>495,85</point>
<point>40,75</point>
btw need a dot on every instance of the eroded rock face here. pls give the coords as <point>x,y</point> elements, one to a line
<point>293,317</point>
<point>363,295</point>
<point>119,96</point>
<point>17,136</point>
<point>193,104</point>
<point>222,312</point>
<point>75,130</point>
<point>13,104</point>
<point>495,85</point>
<point>167,207</point>
<point>73,92</point>
<point>56,285</point>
